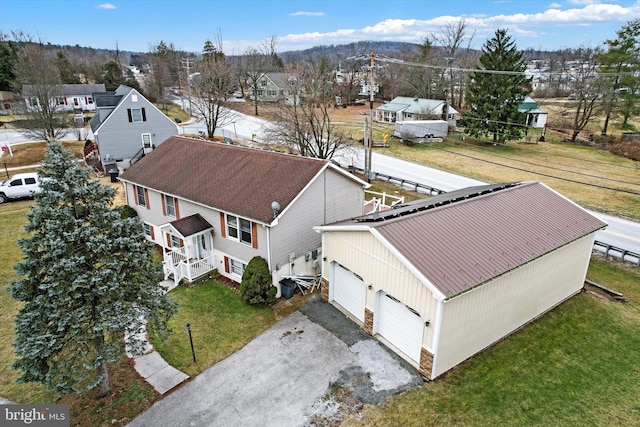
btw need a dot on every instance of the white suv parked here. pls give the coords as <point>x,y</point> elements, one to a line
<point>20,185</point>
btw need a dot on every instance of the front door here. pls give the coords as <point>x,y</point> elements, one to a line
<point>203,245</point>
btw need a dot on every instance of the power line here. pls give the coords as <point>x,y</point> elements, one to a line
<point>550,167</point>
<point>538,173</point>
<point>485,71</point>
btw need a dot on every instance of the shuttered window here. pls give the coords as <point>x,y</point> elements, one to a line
<point>136,115</point>
<point>241,230</point>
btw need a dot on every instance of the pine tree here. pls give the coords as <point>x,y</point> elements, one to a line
<point>256,288</point>
<point>621,64</point>
<point>494,97</point>
<point>88,281</point>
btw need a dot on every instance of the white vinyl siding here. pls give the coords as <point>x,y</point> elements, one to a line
<point>480,317</point>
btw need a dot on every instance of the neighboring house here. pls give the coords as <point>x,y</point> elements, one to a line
<point>440,279</point>
<point>211,206</point>
<point>276,87</point>
<point>8,101</point>
<point>536,118</point>
<point>126,127</point>
<point>72,97</point>
<point>403,108</point>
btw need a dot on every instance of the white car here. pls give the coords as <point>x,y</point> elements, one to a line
<point>19,186</point>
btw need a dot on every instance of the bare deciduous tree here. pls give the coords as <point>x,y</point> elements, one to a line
<point>211,88</point>
<point>451,39</point>
<point>305,127</point>
<point>38,81</point>
<point>587,87</point>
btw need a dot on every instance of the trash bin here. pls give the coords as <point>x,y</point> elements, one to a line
<point>113,173</point>
<point>287,286</point>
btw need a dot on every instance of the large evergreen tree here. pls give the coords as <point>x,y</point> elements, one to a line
<point>496,90</point>
<point>620,64</point>
<point>88,281</point>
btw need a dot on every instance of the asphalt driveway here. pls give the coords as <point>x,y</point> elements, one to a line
<point>283,377</point>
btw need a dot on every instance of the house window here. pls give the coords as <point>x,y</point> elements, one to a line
<point>89,100</point>
<point>263,83</point>
<point>136,115</point>
<point>236,267</point>
<point>175,241</point>
<point>239,229</point>
<point>75,101</point>
<point>141,196</point>
<point>146,140</point>
<point>170,206</point>
<point>60,101</point>
<point>148,230</point>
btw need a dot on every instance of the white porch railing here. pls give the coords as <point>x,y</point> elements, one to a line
<point>376,202</point>
<point>176,264</point>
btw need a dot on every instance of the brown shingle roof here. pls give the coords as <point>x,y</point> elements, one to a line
<point>460,245</point>
<point>234,179</point>
<point>191,225</point>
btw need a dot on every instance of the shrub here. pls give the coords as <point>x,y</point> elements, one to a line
<point>127,211</point>
<point>256,287</point>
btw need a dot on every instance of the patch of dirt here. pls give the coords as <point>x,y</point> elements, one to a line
<point>334,407</point>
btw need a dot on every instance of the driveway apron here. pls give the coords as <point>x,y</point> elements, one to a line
<point>276,379</point>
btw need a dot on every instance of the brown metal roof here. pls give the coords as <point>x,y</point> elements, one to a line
<point>239,180</point>
<point>191,225</point>
<point>460,245</point>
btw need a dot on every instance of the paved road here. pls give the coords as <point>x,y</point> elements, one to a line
<point>621,233</point>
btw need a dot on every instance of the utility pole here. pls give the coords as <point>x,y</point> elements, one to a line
<point>368,135</point>
<point>185,61</point>
<point>371,97</point>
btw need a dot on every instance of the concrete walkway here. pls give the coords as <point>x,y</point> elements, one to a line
<point>153,368</point>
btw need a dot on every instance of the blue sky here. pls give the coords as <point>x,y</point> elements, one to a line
<point>135,25</point>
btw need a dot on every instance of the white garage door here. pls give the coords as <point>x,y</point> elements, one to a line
<point>400,325</point>
<point>348,291</point>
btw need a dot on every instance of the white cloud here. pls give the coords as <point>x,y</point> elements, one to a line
<point>106,6</point>
<point>552,22</point>
<point>306,14</point>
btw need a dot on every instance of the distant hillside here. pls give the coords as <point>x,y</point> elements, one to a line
<point>339,52</point>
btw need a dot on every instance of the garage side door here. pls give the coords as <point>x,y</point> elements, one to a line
<point>400,325</point>
<point>348,291</point>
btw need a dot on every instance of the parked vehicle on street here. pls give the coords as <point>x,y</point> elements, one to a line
<point>19,186</point>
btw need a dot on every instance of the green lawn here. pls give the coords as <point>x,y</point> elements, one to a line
<point>577,365</point>
<point>12,220</point>
<point>576,171</point>
<point>221,323</point>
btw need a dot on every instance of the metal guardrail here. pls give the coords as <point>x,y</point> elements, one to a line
<point>416,186</point>
<point>623,254</point>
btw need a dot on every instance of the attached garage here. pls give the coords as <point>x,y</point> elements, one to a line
<point>440,279</point>
<point>399,325</point>
<point>349,291</point>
